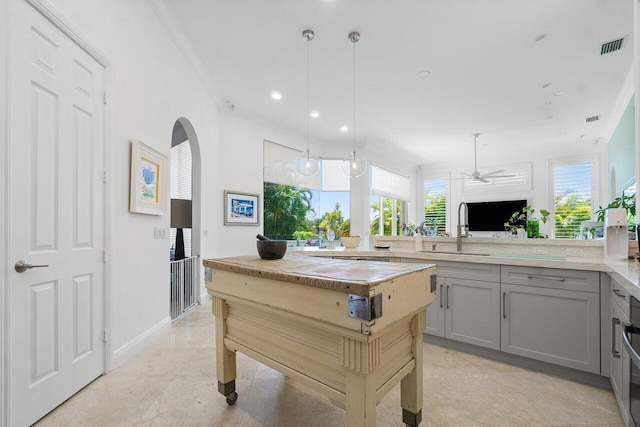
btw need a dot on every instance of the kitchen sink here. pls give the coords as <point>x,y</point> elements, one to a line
<point>455,253</point>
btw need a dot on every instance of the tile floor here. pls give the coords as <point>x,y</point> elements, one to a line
<point>173,383</point>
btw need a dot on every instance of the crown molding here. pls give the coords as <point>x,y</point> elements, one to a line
<point>173,29</point>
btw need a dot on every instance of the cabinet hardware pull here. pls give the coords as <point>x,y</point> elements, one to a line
<point>538,276</point>
<point>440,296</point>
<point>447,297</point>
<point>627,328</point>
<point>614,321</point>
<point>617,292</point>
<point>504,305</point>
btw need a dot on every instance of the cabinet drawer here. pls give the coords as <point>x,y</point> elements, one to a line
<point>620,296</point>
<point>467,270</point>
<point>571,280</point>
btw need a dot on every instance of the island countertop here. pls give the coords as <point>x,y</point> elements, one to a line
<point>352,277</point>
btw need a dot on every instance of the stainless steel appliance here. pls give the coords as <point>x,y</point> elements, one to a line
<point>631,340</point>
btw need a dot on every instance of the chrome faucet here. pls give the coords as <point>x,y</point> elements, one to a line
<point>463,229</point>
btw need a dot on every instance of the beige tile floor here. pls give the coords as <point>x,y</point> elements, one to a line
<point>173,383</point>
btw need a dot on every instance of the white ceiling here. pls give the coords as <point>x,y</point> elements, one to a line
<point>487,71</point>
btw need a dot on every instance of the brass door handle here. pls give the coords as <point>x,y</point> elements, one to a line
<point>22,266</point>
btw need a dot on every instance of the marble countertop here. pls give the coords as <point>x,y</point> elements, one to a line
<point>627,273</point>
<point>353,277</point>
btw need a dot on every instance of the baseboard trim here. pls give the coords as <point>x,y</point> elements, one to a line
<point>522,362</point>
<point>133,347</point>
<point>203,298</point>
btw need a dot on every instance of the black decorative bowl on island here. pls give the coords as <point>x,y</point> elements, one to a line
<point>271,249</point>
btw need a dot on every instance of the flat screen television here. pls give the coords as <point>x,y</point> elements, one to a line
<point>491,216</point>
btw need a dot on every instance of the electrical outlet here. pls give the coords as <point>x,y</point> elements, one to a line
<point>540,250</point>
<point>574,252</point>
<point>159,233</point>
<point>205,233</point>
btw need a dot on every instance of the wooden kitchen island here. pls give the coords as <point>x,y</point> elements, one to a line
<point>350,330</point>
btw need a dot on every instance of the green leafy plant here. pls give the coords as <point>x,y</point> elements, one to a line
<point>526,216</point>
<point>302,235</point>
<point>625,201</point>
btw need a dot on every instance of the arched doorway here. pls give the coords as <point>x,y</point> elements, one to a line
<point>185,190</point>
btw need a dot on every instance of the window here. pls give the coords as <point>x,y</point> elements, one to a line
<point>435,202</point>
<point>573,196</point>
<point>299,207</point>
<point>390,191</point>
<point>181,187</point>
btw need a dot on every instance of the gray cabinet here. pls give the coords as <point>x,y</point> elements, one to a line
<point>545,318</point>
<point>466,308</point>
<point>434,317</point>
<point>472,312</point>
<point>620,363</point>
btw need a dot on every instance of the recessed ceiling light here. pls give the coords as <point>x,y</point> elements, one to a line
<point>344,128</point>
<point>559,93</point>
<point>540,37</point>
<point>276,95</point>
<point>545,85</point>
<point>315,114</point>
<point>424,73</point>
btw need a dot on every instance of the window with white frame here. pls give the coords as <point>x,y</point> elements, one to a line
<point>389,195</point>
<point>180,187</point>
<point>435,201</point>
<point>574,194</point>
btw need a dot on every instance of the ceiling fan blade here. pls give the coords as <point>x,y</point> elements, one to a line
<point>469,175</point>
<point>481,179</point>
<point>499,176</point>
<point>492,173</point>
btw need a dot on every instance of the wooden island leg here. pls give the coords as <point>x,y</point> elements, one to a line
<point>360,358</point>
<point>411,385</point>
<point>225,358</point>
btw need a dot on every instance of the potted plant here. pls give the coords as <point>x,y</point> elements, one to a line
<point>348,240</point>
<point>526,217</point>
<point>626,201</point>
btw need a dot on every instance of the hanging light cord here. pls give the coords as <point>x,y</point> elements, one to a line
<point>354,98</point>
<point>308,112</point>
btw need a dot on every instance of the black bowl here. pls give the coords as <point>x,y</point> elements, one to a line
<point>271,249</point>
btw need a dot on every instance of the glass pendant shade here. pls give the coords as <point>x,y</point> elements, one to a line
<point>307,165</point>
<point>354,164</point>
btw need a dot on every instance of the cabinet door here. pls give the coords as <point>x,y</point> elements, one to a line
<point>434,318</point>
<point>472,312</point>
<point>620,363</point>
<point>552,325</point>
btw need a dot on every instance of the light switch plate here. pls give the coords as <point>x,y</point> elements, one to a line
<point>205,233</point>
<point>159,233</point>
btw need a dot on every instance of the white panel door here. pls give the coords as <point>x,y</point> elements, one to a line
<point>56,313</point>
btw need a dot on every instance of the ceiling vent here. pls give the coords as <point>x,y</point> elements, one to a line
<point>592,119</point>
<point>611,46</point>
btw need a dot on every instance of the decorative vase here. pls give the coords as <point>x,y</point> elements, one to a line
<point>533,228</point>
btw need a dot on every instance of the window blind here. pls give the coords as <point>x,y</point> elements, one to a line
<point>389,184</point>
<point>279,167</point>
<point>572,197</point>
<point>180,186</point>
<point>435,202</point>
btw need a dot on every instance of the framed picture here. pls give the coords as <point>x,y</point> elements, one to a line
<point>149,178</point>
<point>241,208</point>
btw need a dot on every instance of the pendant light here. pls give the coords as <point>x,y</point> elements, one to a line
<point>354,164</point>
<point>307,165</point>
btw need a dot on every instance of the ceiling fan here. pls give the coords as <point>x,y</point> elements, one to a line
<point>477,176</point>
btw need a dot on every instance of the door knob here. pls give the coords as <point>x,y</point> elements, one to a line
<point>22,266</point>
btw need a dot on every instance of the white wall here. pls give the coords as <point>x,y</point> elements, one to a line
<point>149,88</point>
<point>541,195</point>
